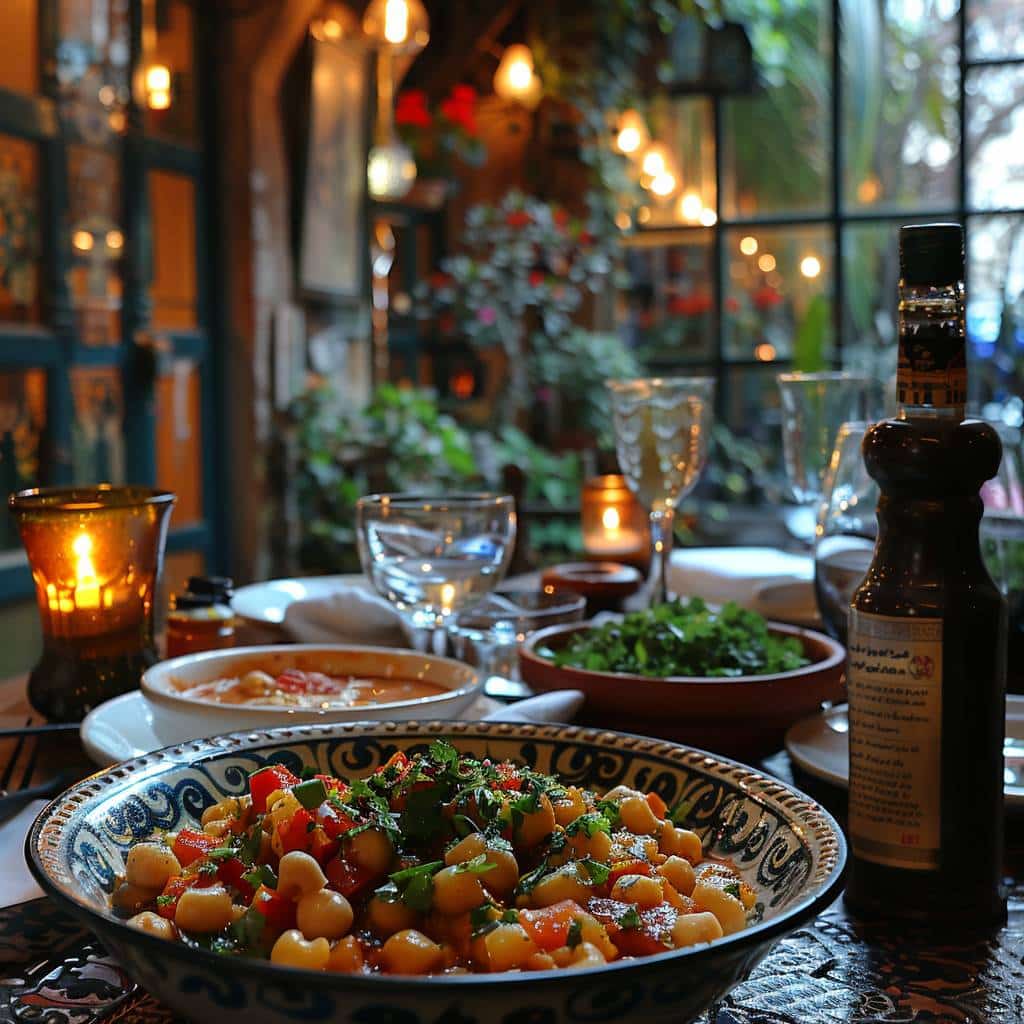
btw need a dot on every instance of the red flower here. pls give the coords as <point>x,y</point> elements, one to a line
<point>439,279</point>
<point>586,238</point>
<point>690,305</point>
<point>536,278</point>
<point>766,297</point>
<point>560,217</point>
<point>517,219</point>
<point>732,304</point>
<point>464,94</point>
<point>460,108</point>
<point>411,109</point>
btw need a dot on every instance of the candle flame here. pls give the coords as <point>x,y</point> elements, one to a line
<point>610,519</point>
<point>87,590</point>
<point>396,21</point>
<point>447,597</point>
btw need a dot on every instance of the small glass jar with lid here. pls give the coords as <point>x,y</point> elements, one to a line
<point>200,617</point>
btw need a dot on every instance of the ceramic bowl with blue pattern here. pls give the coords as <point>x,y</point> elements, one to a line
<point>785,845</point>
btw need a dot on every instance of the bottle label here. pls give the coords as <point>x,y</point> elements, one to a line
<point>894,676</point>
<point>932,367</point>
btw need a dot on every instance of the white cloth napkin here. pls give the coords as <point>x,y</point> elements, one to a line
<point>352,614</point>
<point>774,583</point>
<point>18,886</point>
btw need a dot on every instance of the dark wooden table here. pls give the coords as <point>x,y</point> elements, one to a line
<point>837,970</point>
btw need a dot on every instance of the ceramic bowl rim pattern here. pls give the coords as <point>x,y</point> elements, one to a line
<point>472,681</point>
<point>835,658</point>
<point>810,822</point>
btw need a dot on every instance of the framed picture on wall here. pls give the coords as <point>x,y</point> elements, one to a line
<point>333,240</point>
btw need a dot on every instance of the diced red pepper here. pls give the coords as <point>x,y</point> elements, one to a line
<point>649,937</point>
<point>297,832</point>
<point>330,782</point>
<point>266,780</point>
<point>174,887</point>
<point>277,909</point>
<point>191,845</point>
<point>657,805</point>
<point>627,867</point>
<point>230,872</point>
<point>334,822</point>
<point>549,927</point>
<point>347,878</point>
<point>322,847</point>
<point>508,778</point>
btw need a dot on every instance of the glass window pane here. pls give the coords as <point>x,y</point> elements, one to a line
<point>668,318</point>
<point>172,111</point>
<point>995,305</point>
<point>19,231</point>
<point>995,137</point>
<point>778,295</point>
<point>19,45</point>
<point>173,212</point>
<point>97,243</point>
<point>900,91</point>
<point>994,29</point>
<point>22,428</point>
<point>179,442</point>
<point>97,436</point>
<point>686,128</point>
<point>776,152</point>
<point>750,404</point>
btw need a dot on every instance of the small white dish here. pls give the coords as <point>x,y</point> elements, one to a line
<point>126,727</point>
<point>267,602</point>
<point>820,745</point>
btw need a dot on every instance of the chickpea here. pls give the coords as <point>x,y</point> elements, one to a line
<point>411,952</point>
<point>536,826</point>
<point>384,917</point>
<point>679,873</point>
<point>540,962</point>
<point>292,950</point>
<point>130,898</point>
<point>256,684</point>
<point>731,914</point>
<point>298,874</point>
<point>203,910</point>
<point>586,955</point>
<point>638,890</point>
<point>570,807</point>
<point>563,884</point>
<point>456,892</point>
<point>346,956</point>
<point>149,865</point>
<point>371,850</point>
<point>592,931</point>
<point>636,814</point>
<point>680,842</point>
<point>325,914</point>
<point>504,948</point>
<point>690,929</point>
<point>598,846</point>
<point>153,924</point>
<point>499,880</point>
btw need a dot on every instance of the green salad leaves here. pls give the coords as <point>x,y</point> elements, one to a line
<point>683,638</point>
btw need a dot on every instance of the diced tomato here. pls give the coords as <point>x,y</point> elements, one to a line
<point>190,845</point>
<point>322,847</point>
<point>627,867</point>
<point>649,937</point>
<point>347,878</point>
<point>174,888</point>
<point>334,822</point>
<point>549,927</point>
<point>657,805</point>
<point>330,782</point>
<point>266,780</point>
<point>230,872</point>
<point>297,832</point>
<point>278,910</point>
<point>294,680</point>
<point>396,760</point>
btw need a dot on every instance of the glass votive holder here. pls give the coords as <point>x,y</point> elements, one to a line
<point>96,554</point>
<point>614,523</point>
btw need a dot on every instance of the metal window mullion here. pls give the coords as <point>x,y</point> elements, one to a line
<point>962,122</point>
<point>717,263</point>
<point>838,284</point>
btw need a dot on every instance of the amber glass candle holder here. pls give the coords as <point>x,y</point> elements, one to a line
<point>613,522</point>
<point>96,554</point>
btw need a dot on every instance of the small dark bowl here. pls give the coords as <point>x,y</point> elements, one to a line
<point>742,716</point>
<point>785,845</point>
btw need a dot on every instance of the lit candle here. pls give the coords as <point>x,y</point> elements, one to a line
<point>87,587</point>
<point>614,524</point>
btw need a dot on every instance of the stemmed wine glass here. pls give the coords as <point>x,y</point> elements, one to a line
<point>434,556</point>
<point>662,432</point>
<point>814,405</point>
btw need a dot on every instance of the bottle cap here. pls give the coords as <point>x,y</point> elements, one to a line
<point>220,587</point>
<point>186,601</point>
<point>931,254</point>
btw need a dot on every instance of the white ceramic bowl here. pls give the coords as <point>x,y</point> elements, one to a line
<point>162,685</point>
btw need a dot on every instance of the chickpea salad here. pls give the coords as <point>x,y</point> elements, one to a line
<point>438,863</point>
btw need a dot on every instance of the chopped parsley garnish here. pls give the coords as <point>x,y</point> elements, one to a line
<point>481,918</point>
<point>630,919</point>
<point>589,824</point>
<point>415,886</point>
<point>164,900</point>
<point>263,874</point>
<point>609,809</point>
<point>574,936</point>
<point>251,843</point>
<point>510,916</point>
<point>597,871</point>
<point>477,865</point>
<point>733,889</point>
<point>680,812</point>
<point>528,882</point>
<point>248,929</point>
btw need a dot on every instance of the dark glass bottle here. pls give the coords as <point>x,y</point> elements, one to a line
<point>927,639</point>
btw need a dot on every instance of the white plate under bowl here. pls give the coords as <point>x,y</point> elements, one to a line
<point>820,745</point>
<point>267,602</point>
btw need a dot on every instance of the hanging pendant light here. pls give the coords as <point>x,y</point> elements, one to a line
<point>402,25</point>
<point>515,80</point>
<point>390,171</point>
<point>631,136</point>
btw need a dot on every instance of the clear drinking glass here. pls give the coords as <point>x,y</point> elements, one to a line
<point>662,432</point>
<point>814,405</point>
<point>433,556</point>
<point>488,635</point>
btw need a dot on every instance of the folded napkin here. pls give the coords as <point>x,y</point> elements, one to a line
<point>774,583</point>
<point>351,614</point>
<point>557,706</point>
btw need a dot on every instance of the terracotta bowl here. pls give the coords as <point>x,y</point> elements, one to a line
<point>742,716</point>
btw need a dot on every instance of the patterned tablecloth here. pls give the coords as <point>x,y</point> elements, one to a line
<point>835,971</point>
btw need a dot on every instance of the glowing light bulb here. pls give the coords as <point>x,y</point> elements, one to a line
<point>158,87</point>
<point>690,206</point>
<point>708,217</point>
<point>765,352</point>
<point>748,245</point>
<point>810,266</point>
<point>83,241</point>
<point>515,79</point>
<point>632,134</point>
<point>396,21</point>
<point>655,160</point>
<point>663,184</point>
<point>390,171</point>
<point>766,262</point>
<point>87,588</point>
<point>402,25</point>
<point>115,239</point>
